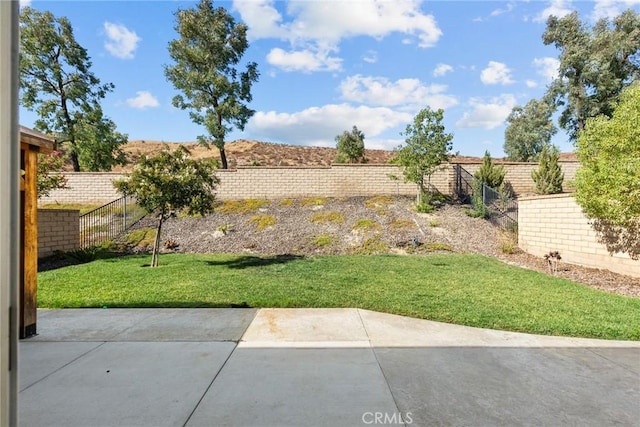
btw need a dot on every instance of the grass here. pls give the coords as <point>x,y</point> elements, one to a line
<point>75,206</point>
<point>286,202</point>
<point>141,237</point>
<point>377,201</point>
<point>324,239</point>
<point>379,204</point>
<point>241,206</point>
<point>366,224</point>
<point>263,221</point>
<point>508,243</point>
<point>399,224</point>
<point>314,201</point>
<point>327,217</point>
<point>457,288</point>
<point>437,246</point>
<point>371,246</point>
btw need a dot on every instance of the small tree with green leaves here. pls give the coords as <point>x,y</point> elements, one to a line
<point>350,146</point>
<point>427,149</point>
<point>48,179</point>
<point>608,182</point>
<point>167,182</point>
<point>489,173</point>
<point>548,177</point>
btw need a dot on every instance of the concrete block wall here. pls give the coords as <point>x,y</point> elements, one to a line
<point>335,181</point>
<point>58,230</point>
<point>85,188</point>
<point>557,223</point>
<point>283,182</point>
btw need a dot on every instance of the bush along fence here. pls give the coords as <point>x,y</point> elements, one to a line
<point>109,221</point>
<point>498,207</point>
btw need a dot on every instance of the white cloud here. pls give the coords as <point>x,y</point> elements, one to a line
<point>306,60</point>
<point>496,73</point>
<point>547,67</point>
<point>121,42</point>
<point>611,8</point>
<point>25,3</point>
<point>144,99</point>
<point>318,26</point>
<point>487,115</point>
<point>371,56</point>
<point>382,92</point>
<point>497,12</point>
<point>557,8</point>
<point>262,18</point>
<point>442,69</point>
<point>531,83</point>
<point>320,125</point>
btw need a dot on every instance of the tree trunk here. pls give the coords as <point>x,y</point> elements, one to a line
<point>74,160</point>
<point>156,242</point>
<point>223,158</point>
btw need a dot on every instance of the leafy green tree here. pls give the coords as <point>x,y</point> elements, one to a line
<point>57,83</point>
<point>530,129</point>
<point>49,166</point>
<point>427,148</point>
<point>207,57</point>
<point>595,65</point>
<point>350,146</point>
<point>608,182</point>
<point>167,182</point>
<point>549,176</point>
<point>489,173</point>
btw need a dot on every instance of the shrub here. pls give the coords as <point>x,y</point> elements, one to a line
<point>425,207</point>
<point>324,239</point>
<point>225,228</point>
<point>549,176</point>
<point>478,209</point>
<point>314,201</point>
<point>326,217</point>
<point>366,224</point>
<point>489,173</point>
<point>263,221</point>
<point>377,201</point>
<point>424,204</point>
<point>286,202</point>
<point>242,206</point>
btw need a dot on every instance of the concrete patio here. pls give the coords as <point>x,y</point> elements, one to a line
<point>314,367</point>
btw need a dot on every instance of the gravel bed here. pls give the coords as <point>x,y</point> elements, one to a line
<point>394,227</point>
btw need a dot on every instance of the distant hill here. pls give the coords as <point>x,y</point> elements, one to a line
<point>254,153</point>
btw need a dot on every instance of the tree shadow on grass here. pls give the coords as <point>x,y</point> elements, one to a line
<point>247,261</point>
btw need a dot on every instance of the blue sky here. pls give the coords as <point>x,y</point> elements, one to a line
<point>328,65</point>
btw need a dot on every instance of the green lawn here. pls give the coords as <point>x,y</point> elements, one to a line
<point>458,288</point>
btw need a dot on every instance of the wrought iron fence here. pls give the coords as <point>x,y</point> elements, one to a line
<point>500,208</point>
<point>464,184</point>
<point>109,221</point>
